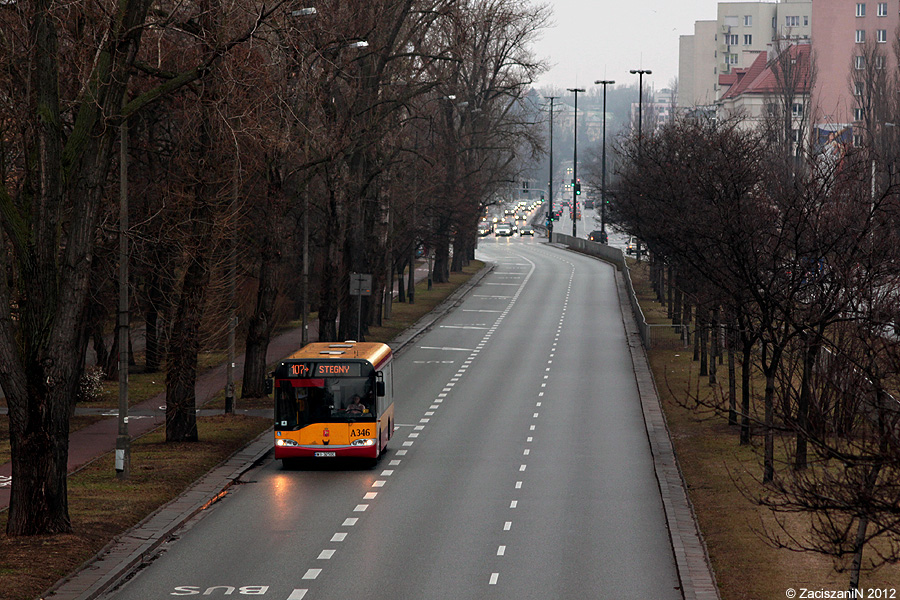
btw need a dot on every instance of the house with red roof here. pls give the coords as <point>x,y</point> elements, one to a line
<point>774,79</point>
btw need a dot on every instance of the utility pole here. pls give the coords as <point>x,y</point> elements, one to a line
<point>575,185</point>
<point>550,189</point>
<point>604,83</point>
<point>123,440</point>
<point>640,73</point>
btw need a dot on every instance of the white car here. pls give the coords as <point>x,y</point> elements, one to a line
<point>503,230</point>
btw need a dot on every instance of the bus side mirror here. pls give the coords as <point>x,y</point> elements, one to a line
<point>379,383</point>
<point>270,383</point>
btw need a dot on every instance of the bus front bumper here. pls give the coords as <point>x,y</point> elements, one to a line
<point>369,450</point>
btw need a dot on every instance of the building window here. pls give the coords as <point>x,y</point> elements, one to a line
<point>793,21</point>
<point>860,63</point>
<point>879,61</point>
<point>858,140</point>
<point>748,19</point>
<point>806,20</point>
<point>881,36</point>
<point>859,88</point>
<point>861,9</point>
<point>857,114</point>
<point>748,39</point>
<point>797,109</point>
<point>882,9</point>
<point>860,36</point>
<point>731,59</point>
<point>731,40</point>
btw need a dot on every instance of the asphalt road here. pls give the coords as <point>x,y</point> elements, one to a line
<point>520,468</point>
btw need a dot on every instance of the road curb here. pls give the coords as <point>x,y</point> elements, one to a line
<point>127,553</point>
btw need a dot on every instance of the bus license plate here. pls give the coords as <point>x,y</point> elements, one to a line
<point>326,454</point>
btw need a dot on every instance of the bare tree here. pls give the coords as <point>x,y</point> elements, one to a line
<point>70,92</point>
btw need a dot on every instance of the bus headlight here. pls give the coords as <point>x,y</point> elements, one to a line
<point>286,442</point>
<point>363,442</point>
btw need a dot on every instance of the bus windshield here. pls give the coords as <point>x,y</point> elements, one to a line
<point>300,402</point>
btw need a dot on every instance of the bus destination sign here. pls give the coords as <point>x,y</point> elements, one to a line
<point>319,370</point>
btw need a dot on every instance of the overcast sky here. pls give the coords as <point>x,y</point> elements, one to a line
<point>604,39</point>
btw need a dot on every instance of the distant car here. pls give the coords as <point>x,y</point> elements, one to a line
<point>525,230</point>
<point>632,245</point>
<point>483,230</point>
<point>598,236</point>
<point>503,230</point>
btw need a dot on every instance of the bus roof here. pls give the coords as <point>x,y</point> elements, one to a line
<point>374,352</point>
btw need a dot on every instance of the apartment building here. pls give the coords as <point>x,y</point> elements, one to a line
<point>852,46</point>
<point>697,71</point>
<point>741,32</point>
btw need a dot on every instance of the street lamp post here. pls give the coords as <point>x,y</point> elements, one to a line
<point>550,190</point>
<point>575,165</point>
<point>640,73</point>
<point>123,439</point>
<point>604,83</point>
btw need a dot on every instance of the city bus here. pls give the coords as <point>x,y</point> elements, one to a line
<point>333,400</point>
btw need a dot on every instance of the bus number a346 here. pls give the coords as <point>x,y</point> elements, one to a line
<point>360,433</point>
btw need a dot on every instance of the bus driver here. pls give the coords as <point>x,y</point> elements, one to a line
<point>356,407</point>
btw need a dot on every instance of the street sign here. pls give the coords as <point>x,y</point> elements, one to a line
<point>360,284</point>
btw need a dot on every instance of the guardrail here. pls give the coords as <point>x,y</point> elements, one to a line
<point>617,258</point>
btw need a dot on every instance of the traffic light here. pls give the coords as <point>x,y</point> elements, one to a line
<point>578,188</point>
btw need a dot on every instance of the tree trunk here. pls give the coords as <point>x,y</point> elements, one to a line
<point>411,283</point>
<point>714,350</point>
<point>42,350</point>
<point>261,325</point>
<point>459,252</point>
<point>746,356</point>
<point>401,283</point>
<point>153,355</point>
<point>769,443</point>
<point>441,268</point>
<point>331,279</point>
<point>181,361</point>
<point>732,373</point>
<point>670,307</point>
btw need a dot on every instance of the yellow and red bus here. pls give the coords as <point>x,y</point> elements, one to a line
<point>334,400</point>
